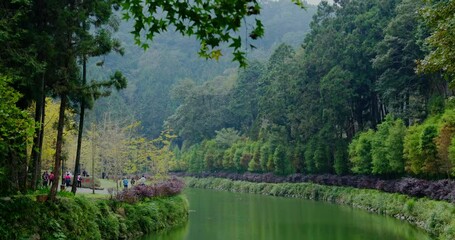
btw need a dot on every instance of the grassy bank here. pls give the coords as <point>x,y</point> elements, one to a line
<point>82,218</point>
<point>436,217</point>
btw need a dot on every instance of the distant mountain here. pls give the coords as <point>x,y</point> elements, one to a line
<point>172,58</point>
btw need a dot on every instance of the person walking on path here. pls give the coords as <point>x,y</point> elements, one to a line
<point>125,182</point>
<point>51,178</point>
<point>142,180</point>
<point>79,180</point>
<point>67,179</point>
<point>45,178</point>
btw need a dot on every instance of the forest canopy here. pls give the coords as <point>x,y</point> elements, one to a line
<point>362,88</point>
<point>47,45</point>
<point>349,100</point>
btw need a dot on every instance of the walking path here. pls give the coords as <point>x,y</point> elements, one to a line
<point>89,190</point>
<point>105,184</point>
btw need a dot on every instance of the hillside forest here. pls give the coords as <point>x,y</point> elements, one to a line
<point>361,87</point>
<point>367,92</point>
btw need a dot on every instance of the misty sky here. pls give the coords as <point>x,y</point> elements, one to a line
<point>315,2</point>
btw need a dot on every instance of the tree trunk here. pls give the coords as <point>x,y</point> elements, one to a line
<point>35,156</point>
<point>58,148</point>
<point>35,151</point>
<point>16,167</point>
<point>81,127</point>
<point>21,168</point>
<point>35,167</point>
<point>14,173</point>
<point>374,110</point>
<point>43,116</point>
<point>93,156</point>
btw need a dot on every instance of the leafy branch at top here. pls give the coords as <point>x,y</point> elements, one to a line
<point>213,22</point>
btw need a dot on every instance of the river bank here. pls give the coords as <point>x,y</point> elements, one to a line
<point>437,190</point>
<point>435,217</point>
<point>78,217</point>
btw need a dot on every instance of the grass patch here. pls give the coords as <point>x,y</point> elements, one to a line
<point>106,183</point>
<point>95,196</point>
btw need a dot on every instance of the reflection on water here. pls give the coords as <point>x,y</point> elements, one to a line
<point>221,215</point>
<point>179,233</point>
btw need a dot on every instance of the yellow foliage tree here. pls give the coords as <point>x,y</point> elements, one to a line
<point>50,132</point>
<point>155,155</point>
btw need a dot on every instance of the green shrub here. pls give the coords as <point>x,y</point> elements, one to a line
<point>255,164</point>
<point>413,157</point>
<point>265,153</point>
<point>360,153</point>
<point>310,165</point>
<point>387,147</point>
<point>340,164</point>
<point>297,160</point>
<point>281,161</point>
<point>237,159</point>
<point>79,218</point>
<point>195,159</point>
<point>428,150</point>
<point>394,145</point>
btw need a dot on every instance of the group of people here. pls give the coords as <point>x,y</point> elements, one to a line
<point>68,178</point>
<point>48,179</point>
<point>140,181</point>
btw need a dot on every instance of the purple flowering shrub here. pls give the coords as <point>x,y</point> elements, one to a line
<point>169,187</point>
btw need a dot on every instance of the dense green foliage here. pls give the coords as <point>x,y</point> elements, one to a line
<point>46,41</point>
<point>348,101</point>
<point>421,150</point>
<point>15,131</point>
<point>379,152</point>
<point>82,218</point>
<point>438,15</point>
<point>435,217</point>
<point>48,44</point>
<point>319,108</point>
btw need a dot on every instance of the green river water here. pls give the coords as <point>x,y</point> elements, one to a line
<point>218,215</point>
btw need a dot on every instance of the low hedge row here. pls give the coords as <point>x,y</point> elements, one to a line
<point>436,217</point>
<point>81,218</point>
